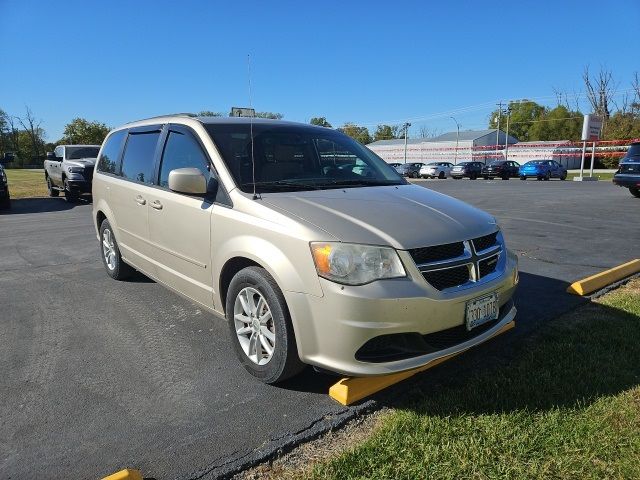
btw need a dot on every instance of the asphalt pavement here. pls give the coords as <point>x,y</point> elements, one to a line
<point>98,375</point>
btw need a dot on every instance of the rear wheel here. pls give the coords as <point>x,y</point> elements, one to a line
<point>547,177</point>
<point>486,177</point>
<point>260,326</point>
<point>522,177</point>
<point>505,176</point>
<point>441,176</point>
<point>111,258</point>
<point>53,192</point>
<point>635,191</point>
<point>473,176</point>
<point>563,176</point>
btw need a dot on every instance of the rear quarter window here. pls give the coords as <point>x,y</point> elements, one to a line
<point>110,156</point>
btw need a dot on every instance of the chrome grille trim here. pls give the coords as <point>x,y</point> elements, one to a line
<point>473,259</point>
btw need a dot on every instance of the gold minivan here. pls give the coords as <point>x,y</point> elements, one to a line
<point>314,249</point>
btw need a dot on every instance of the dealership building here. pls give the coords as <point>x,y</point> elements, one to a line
<point>476,145</point>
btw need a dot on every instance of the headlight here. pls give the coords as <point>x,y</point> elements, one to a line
<point>354,264</point>
<point>75,169</point>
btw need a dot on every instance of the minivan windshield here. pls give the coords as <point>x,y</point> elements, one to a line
<point>292,157</point>
<point>77,153</point>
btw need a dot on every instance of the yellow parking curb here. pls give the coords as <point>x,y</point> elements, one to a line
<point>126,474</point>
<point>602,279</point>
<point>350,390</point>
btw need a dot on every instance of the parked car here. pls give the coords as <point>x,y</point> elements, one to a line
<point>436,170</point>
<point>504,169</point>
<point>251,219</point>
<point>395,165</point>
<point>411,170</point>
<point>467,169</point>
<point>542,170</point>
<point>5,198</point>
<point>69,169</point>
<point>628,174</point>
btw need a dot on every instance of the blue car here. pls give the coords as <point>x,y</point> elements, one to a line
<point>542,170</point>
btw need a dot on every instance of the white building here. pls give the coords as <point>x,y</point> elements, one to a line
<point>478,145</point>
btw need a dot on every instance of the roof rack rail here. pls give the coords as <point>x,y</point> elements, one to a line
<point>182,114</point>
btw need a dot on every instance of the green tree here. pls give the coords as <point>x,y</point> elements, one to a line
<point>81,131</point>
<point>386,132</point>
<point>522,117</point>
<point>361,134</point>
<point>272,115</point>
<point>320,121</point>
<point>209,113</point>
<point>559,123</point>
<point>622,125</point>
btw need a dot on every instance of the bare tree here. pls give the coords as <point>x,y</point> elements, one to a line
<point>426,132</point>
<point>34,129</point>
<point>600,90</point>
<point>635,84</point>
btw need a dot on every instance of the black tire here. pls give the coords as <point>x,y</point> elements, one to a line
<point>505,176</point>
<point>522,177</point>
<point>284,362</point>
<point>539,178</point>
<point>5,203</point>
<point>70,195</point>
<point>563,177</point>
<point>635,191</point>
<point>52,191</point>
<point>486,177</point>
<point>547,177</point>
<point>441,176</point>
<point>473,176</point>
<point>121,270</point>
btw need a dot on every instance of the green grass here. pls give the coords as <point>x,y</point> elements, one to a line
<point>601,176</point>
<point>26,183</point>
<point>567,407</point>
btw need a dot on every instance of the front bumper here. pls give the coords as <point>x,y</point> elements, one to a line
<point>331,329</point>
<point>80,186</point>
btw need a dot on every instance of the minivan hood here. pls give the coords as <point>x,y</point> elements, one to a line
<point>403,216</point>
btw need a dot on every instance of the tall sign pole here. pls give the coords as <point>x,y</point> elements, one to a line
<point>406,128</point>
<point>591,127</point>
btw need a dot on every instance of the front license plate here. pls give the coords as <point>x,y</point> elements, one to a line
<point>482,310</point>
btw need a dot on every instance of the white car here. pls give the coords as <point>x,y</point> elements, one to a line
<point>436,170</point>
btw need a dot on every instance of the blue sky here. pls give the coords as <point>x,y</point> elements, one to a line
<point>366,62</point>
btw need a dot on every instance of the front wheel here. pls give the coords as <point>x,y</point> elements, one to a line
<point>486,177</point>
<point>260,326</point>
<point>547,177</point>
<point>441,176</point>
<point>522,177</point>
<point>70,195</point>
<point>635,191</point>
<point>563,177</point>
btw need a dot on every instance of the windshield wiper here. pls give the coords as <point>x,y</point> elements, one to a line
<point>283,184</point>
<point>361,183</point>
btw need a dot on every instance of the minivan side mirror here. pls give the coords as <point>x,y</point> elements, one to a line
<point>188,180</point>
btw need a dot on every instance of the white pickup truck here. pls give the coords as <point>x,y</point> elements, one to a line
<point>69,169</point>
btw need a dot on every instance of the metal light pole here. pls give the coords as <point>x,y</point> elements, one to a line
<point>498,129</point>
<point>406,128</point>
<point>455,154</point>
<point>506,141</point>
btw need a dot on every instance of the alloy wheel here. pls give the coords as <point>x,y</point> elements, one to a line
<point>254,325</point>
<point>109,249</point>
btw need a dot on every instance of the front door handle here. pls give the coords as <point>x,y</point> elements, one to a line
<point>140,200</point>
<point>156,204</point>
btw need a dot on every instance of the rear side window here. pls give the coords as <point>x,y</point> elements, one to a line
<point>108,161</point>
<point>137,162</point>
<point>182,151</point>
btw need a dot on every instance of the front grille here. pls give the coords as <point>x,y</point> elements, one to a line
<point>437,253</point>
<point>88,173</point>
<point>488,265</point>
<point>447,278</point>
<point>488,241</point>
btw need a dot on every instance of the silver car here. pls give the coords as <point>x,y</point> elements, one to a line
<point>313,249</point>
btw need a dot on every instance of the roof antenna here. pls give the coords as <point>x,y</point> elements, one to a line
<point>253,161</point>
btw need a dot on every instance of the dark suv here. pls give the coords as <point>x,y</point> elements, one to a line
<point>628,174</point>
<point>411,170</point>
<point>5,200</point>
<point>467,169</point>
<point>504,169</point>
